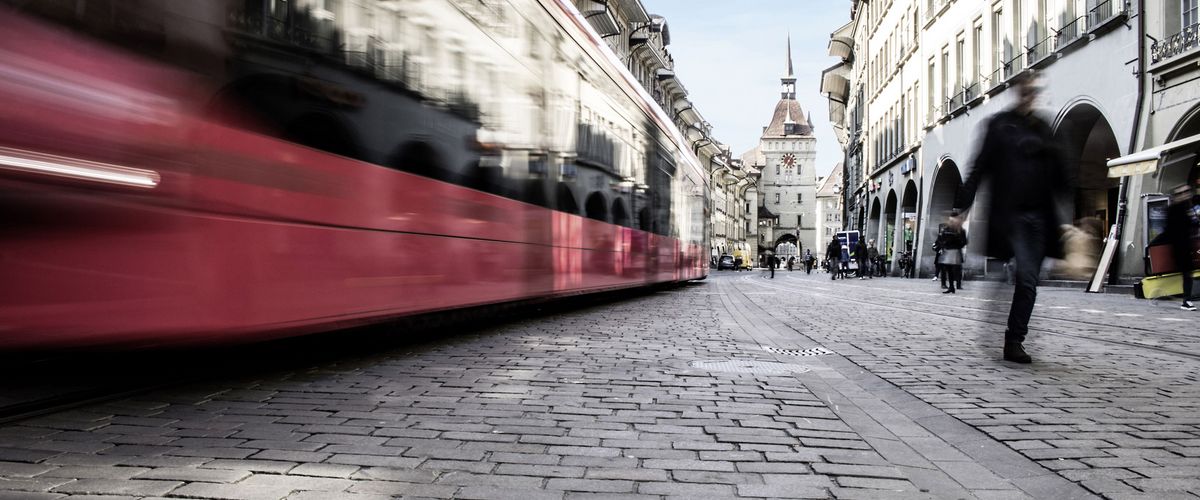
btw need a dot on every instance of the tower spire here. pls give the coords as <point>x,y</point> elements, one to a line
<point>789,81</point>
<point>789,54</point>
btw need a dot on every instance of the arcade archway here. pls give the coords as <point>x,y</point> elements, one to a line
<point>946,182</point>
<point>908,217</point>
<point>1179,167</point>
<point>887,238</point>
<point>596,208</point>
<point>1089,143</point>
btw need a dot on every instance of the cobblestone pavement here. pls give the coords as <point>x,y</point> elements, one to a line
<point>737,387</point>
<point>1111,401</point>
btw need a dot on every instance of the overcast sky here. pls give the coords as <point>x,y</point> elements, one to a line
<point>730,54</point>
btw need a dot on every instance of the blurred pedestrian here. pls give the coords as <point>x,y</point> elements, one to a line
<point>791,262</point>
<point>1183,231</point>
<point>772,261</point>
<point>861,258</point>
<point>873,257</point>
<point>833,257</point>
<point>906,264</point>
<point>937,258</point>
<point>808,261</point>
<point>951,240</point>
<point>1027,178</point>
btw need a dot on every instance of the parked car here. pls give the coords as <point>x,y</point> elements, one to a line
<point>725,262</point>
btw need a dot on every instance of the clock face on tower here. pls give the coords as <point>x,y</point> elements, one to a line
<point>789,159</point>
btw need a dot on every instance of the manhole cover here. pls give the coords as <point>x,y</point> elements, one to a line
<point>811,351</point>
<point>747,366</point>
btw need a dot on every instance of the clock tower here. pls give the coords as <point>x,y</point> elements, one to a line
<point>786,154</point>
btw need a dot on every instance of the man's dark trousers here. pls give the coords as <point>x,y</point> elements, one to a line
<point>1028,237</point>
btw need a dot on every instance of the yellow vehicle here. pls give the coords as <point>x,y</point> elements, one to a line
<point>747,262</point>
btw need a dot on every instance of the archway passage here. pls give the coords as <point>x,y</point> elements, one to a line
<point>871,231</point>
<point>887,241</point>
<point>1089,142</point>
<point>596,208</point>
<point>787,246</point>
<point>946,182</point>
<point>908,216</point>
<point>1180,167</point>
<point>620,215</point>
<point>566,200</point>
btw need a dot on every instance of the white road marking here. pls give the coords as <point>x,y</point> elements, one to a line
<point>1093,311</point>
<point>1127,315</point>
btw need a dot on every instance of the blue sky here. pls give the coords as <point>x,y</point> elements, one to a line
<point>730,55</point>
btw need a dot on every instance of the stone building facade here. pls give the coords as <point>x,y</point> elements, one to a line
<point>917,80</point>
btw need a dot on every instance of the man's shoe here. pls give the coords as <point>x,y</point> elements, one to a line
<point>1013,351</point>
<point>951,290</point>
<point>1188,306</point>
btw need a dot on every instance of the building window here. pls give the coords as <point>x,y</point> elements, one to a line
<point>932,90</point>
<point>1015,37</point>
<point>776,169</point>
<point>997,40</point>
<point>960,58</point>
<point>799,220</point>
<point>1189,10</point>
<point>799,197</point>
<point>976,53</point>
<point>946,76</point>
<point>776,198</point>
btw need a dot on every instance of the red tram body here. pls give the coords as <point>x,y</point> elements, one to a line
<point>133,215</point>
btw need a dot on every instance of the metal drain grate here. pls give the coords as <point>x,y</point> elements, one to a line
<point>747,366</point>
<point>811,351</point>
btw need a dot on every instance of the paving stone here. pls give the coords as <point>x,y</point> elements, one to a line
<point>492,493</point>
<point>17,469</point>
<point>135,487</point>
<point>780,491</point>
<point>858,470</point>
<point>196,475</point>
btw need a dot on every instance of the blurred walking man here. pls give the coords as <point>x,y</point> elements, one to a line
<point>1028,177</point>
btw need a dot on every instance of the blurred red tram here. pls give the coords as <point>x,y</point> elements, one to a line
<point>176,171</point>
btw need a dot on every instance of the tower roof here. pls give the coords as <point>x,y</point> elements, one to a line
<point>788,111</point>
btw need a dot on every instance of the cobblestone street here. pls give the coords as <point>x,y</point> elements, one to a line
<point>735,387</point>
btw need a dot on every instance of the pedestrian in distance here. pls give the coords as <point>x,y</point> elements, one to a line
<point>771,263</point>
<point>906,264</point>
<point>1183,233</point>
<point>791,262</point>
<point>833,257</point>
<point>1028,181</point>
<point>861,257</point>
<point>808,262</point>
<point>937,258</point>
<point>873,257</point>
<point>952,240</point>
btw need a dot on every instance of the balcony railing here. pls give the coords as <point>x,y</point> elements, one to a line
<point>1176,44</point>
<point>1039,50</point>
<point>1070,32</point>
<point>1104,11</point>
<point>972,91</point>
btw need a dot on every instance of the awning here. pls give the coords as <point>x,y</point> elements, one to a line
<point>837,86</point>
<point>841,46</point>
<point>600,17</point>
<point>1146,161</point>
